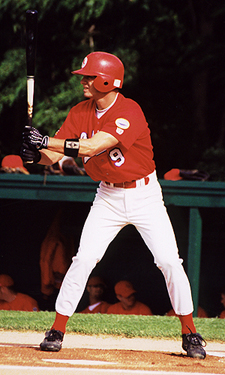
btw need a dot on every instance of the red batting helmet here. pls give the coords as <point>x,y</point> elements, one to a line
<point>107,68</point>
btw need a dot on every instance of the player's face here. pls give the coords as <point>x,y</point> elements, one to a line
<point>88,85</point>
<point>127,302</point>
<point>96,290</point>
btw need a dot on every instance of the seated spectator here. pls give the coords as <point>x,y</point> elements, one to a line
<point>96,288</point>
<point>222,294</point>
<point>201,313</point>
<point>13,164</point>
<point>67,166</point>
<point>56,253</point>
<point>127,304</point>
<point>11,300</point>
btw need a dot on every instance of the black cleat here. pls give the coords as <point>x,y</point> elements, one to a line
<point>193,344</point>
<point>52,341</point>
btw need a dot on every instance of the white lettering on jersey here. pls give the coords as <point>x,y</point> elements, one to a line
<point>86,158</point>
<point>83,135</point>
<point>117,157</point>
<point>119,131</point>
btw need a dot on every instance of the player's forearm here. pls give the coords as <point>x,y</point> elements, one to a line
<point>49,157</point>
<point>87,147</point>
<point>99,142</point>
<point>56,145</point>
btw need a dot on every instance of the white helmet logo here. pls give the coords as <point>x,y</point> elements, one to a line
<point>84,63</point>
<point>117,82</point>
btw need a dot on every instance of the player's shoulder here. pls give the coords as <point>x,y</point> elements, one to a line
<point>25,297</point>
<point>222,315</point>
<point>129,106</point>
<point>128,101</point>
<point>143,307</point>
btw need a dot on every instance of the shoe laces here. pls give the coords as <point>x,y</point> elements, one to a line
<point>195,339</point>
<point>54,335</point>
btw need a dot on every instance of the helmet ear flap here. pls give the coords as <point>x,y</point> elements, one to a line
<point>104,83</point>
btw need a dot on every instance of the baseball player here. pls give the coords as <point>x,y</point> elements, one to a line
<point>96,288</point>
<point>222,294</point>
<point>112,136</point>
<point>10,299</point>
<point>128,304</point>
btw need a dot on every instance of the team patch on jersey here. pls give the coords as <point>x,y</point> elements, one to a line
<point>119,131</point>
<point>122,123</point>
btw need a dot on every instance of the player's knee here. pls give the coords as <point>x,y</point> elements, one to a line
<point>168,264</point>
<point>83,258</point>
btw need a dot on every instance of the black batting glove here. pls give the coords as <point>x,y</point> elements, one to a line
<point>32,136</point>
<point>29,153</point>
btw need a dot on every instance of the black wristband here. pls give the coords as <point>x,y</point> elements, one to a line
<point>71,147</point>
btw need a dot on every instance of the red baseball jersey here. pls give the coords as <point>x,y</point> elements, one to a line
<point>22,302</point>
<point>100,309</point>
<point>132,158</point>
<point>138,309</point>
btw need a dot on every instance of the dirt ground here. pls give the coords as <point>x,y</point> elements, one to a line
<point>110,353</point>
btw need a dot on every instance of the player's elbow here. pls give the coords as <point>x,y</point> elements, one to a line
<point>100,142</point>
<point>89,148</point>
<point>91,151</point>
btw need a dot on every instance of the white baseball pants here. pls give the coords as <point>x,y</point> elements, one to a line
<point>112,209</point>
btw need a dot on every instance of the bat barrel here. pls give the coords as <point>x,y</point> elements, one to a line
<point>31,40</point>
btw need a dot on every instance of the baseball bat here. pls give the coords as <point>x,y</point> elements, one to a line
<point>31,44</point>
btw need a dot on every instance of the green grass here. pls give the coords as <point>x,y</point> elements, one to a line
<point>212,329</point>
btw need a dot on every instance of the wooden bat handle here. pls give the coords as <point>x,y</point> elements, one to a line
<point>30,99</point>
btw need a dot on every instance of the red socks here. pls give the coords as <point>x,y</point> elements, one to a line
<point>60,322</point>
<point>186,323</point>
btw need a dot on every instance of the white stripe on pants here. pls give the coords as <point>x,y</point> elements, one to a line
<point>114,208</point>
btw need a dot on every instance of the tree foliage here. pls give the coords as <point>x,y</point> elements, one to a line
<point>173,54</point>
